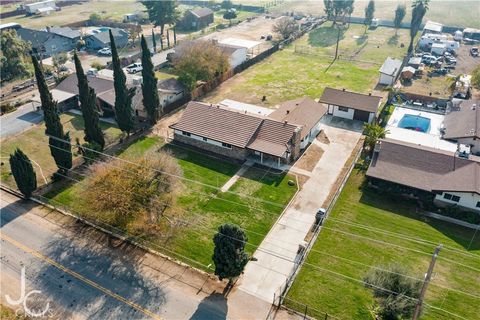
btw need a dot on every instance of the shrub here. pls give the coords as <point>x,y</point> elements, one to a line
<point>97,65</point>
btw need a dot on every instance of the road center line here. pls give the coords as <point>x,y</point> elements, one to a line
<point>78,276</point>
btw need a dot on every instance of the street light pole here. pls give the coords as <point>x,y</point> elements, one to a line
<point>428,276</point>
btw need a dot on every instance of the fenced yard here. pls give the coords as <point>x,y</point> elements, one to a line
<point>289,74</point>
<point>366,229</point>
<point>186,233</point>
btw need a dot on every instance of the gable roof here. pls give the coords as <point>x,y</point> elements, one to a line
<point>463,120</point>
<point>70,84</point>
<point>218,124</point>
<point>350,99</point>
<point>104,36</point>
<point>170,85</point>
<point>391,66</point>
<point>201,12</point>
<point>272,137</point>
<point>303,111</point>
<point>65,32</point>
<point>424,168</point>
<point>35,37</point>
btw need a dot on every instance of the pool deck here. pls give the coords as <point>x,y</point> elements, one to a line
<point>430,139</point>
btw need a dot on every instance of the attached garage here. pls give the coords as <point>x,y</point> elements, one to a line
<point>351,105</point>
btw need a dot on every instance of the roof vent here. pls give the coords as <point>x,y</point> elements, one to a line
<point>286,122</point>
<point>343,89</point>
<point>474,106</point>
<point>288,111</point>
<point>369,93</point>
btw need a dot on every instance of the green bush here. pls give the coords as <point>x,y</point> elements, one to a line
<point>97,65</point>
<point>7,107</point>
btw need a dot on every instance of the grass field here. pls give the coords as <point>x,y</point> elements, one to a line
<point>461,13</point>
<point>256,200</point>
<point>287,74</point>
<point>34,143</point>
<point>113,9</point>
<point>348,245</point>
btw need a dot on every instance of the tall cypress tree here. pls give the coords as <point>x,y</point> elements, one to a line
<point>154,42</point>
<point>88,104</point>
<point>60,146</point>
<point>151,102</point>
<point>123,95</point>
<point>23,173</point>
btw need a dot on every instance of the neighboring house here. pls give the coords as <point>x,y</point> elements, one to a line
<point>238,135</point>
<point>196,19</point>
<point>40,7</point>
<point>9,26</point>
<point>304,112</point>
<point>236,54</point>
<point>65,100</point>
<point>453,180</point>
<point>389,71</point>
<point>432,27</point>
<point>51,41</point>
<point>101,40</point>
<point>462,124</point>
<point>351,105</point>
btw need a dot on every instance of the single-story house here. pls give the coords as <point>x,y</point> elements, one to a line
<point>389,71</point>
<point>462,123</point>
<point>304,112</point>
<point>196,19</point>
<point>351,105</point>
<point>432,27</point>
<point>236,54</point>
<point>238,135</point>
<point>40,7</point>
<point>454,180</point>
<point>9,26</point>
<point>65,100</point>
<point>50,41</point>
<point>101,40</point>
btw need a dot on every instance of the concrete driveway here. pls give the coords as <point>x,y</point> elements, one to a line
<point>20,120</point>
<point>277,254</point>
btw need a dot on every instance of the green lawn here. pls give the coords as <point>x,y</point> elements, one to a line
<point>34,143</point>
<point>288,74</point>
<point>322,290</point>
<point>255,202</point>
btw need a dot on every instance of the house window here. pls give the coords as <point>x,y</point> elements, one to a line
<point>185,133</point>
<point>478,204</point>
<point>205,139</point>
<point>343,109</point>
<point>448,196</point>
<point>226,145</point>
<point>455,198</point>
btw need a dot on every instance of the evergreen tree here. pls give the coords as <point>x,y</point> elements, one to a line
<point>88,104</point>
<point>369,12</point>
<point>59,142</point>
<point>229,256</point>
<point>399,15</point>
<point>123,95</point>
<point>151,102</point>
<point>154,42</point>
<point>23,173</point>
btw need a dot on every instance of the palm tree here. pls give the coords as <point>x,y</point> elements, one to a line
<point>420,8</point>
<point>373,132</point>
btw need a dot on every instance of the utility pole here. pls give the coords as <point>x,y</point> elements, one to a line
<point>428,276</point>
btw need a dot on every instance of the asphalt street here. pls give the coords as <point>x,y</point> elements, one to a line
<point>84,274</point>
<point>19,120</point>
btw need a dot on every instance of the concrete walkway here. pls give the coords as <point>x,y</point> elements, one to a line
<point>277,254</point>
<point>237,175</point>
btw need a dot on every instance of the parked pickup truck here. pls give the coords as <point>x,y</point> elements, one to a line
<point>134,68</point>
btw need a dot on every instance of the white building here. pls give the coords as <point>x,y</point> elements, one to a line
<point>389,71</point>
<point>351,105</point>
<point>432,27</point>
<point>236,54</point>
<point>40,7</point>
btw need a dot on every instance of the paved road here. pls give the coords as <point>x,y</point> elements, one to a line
<point>277,254</point>
<point>85,274</point>
<point>19,120</point>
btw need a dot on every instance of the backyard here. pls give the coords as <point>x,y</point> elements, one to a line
<point>368,229</point>
<point>306,67</point>
<point>34,143</point>
<point>254,202</point>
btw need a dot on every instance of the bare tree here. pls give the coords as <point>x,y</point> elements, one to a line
<point>285,27</point>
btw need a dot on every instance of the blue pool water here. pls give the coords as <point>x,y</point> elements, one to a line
<point>103,29</point>
<point>412,122</point>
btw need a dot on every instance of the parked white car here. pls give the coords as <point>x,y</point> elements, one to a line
<point>105,52</point>
<point>134,68</point>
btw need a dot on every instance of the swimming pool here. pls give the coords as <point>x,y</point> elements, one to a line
<point>413,122</point>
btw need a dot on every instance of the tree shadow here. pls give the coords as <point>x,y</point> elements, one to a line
<point>408,208</point>
<point>14,210</point>
<point>361,40</point>
<point>111,272</point>
<point>393,40</point>
<point>325,36</point>
<point>213,307</point>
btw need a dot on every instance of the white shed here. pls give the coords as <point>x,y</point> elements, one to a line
<point>389,71</point>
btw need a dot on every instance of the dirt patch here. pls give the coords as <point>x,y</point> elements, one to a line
<point>465,62</point>
<point>162,127</point>
<point>310,158</point>
<point>322,137</point>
